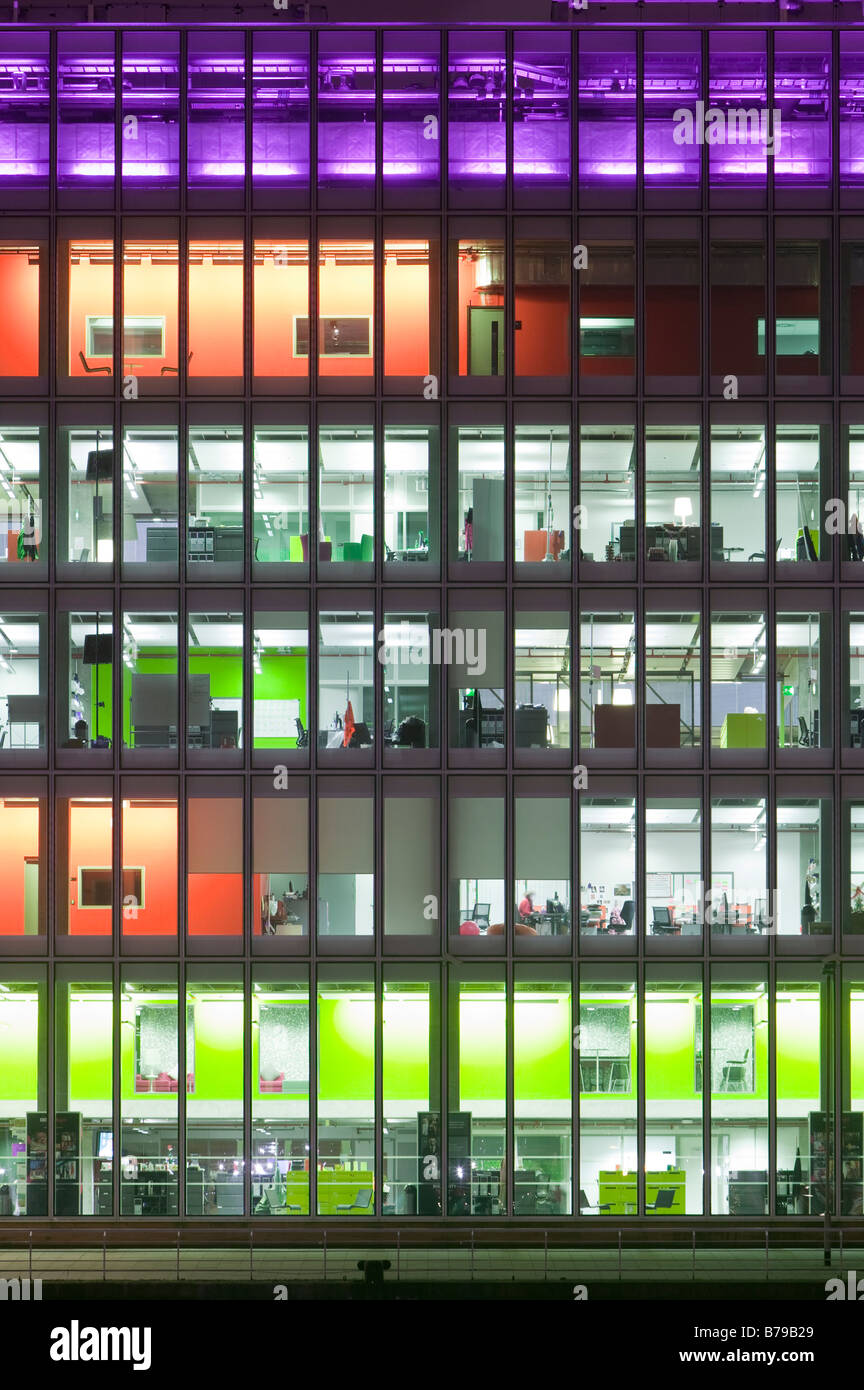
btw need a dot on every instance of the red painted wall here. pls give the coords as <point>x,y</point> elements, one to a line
<point>215,904</point>
<point>280,293</point>
<point>19,297</point>
<point>344,290</point>
<point>542,344</point>
<point>149,842</point>
<point>406,319</point>
<point>19,841</point>
<point>216,320</point>
<point>734,314</point>
<point>600,302</point>
<point>672,338</point>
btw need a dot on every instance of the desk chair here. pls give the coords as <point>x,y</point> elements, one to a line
<point>628,912</point>
<point>735,1071</point>
<point>362,1202</point>
<point>619,1078</point>
<point>480,914</point>
<point>585,1205</point>
<point>175,371</point>
<point>804,739</point>
<point>665,1200</point>
<point>91,371</point>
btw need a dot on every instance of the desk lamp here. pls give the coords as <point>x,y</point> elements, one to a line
<point>683,508</point>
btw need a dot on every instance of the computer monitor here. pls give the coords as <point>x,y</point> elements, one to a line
<point>106,1144</point>
<point>662,917</point>
<point>551,906</point>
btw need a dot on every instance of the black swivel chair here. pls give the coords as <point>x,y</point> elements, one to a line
<point>665,1200</point>
<point>804,740</point>
<point>628,912</point>
<point>92,370</point>
<point>585,1205</point>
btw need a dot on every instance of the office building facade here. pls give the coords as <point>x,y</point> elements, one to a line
<point>433,651</point>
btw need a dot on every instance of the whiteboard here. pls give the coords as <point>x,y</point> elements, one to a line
<point>276,718</point>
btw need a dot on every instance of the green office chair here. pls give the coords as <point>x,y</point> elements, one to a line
<point>351,550</point>
<point>367,549</point>
<point>295,549</point>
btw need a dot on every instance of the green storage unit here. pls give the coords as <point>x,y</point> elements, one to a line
<point>743,731</point>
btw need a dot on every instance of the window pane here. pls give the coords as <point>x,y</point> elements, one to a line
<point>346,860</point>
<point>476,1136</point>
<point>412,1092</point>
<point>673,865</point>
<point>24,130</point>
<point>673,1103</point>
<point>607,856</point>
<point>412,112</point>
<point>280,644</point>
<point>23,1094</point>
<point>738,680</point>
<point>738,899</point>
<point>151,110</point>
<point>739,1091</point>
<point>346,1093</point>
<point>214,694</point>
<point>542,680</point>
<point>805,866</point>
<point>411,506</point>
<point>85,134</point>
<point>480,484</point>
<point>607,1041</point>
<point>23,681</point>
<point>411,654</point>
<point>804,1150</point>
<point>280,1092</point>
<point>673,464</point>
<point>476,826</point>
<point>280,112</point>
<point>214,853</point>
<point>214,1085</point>
<point>542,864</point>
<point>280,863</point>
<point>150,849</point>
<point>150,501</point>
<point>477,112</point>
<point>281,308</point>
<point>23,862</point>
<point>607,498</point>
<point>346,680</point>
<point>346,110</point>
<point>738,466</point>
<point>542,1086</point>
<point>542,464</point>
<point>215,338</point>
<point>83,1115</point>
<point>216,155</point>
<point>804,672</point>
<point>280,495</point>
<point>673,680</point>
<point>346,471</point>
<point>607,680</point>
<point>150,1073</point>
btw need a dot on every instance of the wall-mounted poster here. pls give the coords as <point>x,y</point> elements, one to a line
<point>623,890</point>
<point>658,885</point>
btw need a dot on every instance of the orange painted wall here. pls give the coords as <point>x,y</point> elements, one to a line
<point>216,320</point>
<point>406,319</point>
<point>149,841</point>
<point>215,904</point>
<point>542,343</point>
<point>19,299</point>
<point>19,841</point>
<point>345,290</point>
<point>281,293</point>
<point>147,290</point>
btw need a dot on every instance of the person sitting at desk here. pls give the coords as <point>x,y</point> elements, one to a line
<point>80,739</point>
<point>526,908</point>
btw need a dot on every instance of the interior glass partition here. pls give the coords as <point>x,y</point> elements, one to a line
<point>606,1055</point>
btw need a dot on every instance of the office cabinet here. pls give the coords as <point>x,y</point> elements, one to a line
<point>743,731</point>
<point>614,726</point>
<point>619,1191</point>
<point>663,726</point>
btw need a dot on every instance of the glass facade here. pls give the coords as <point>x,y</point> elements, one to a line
<point>461,534</point>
